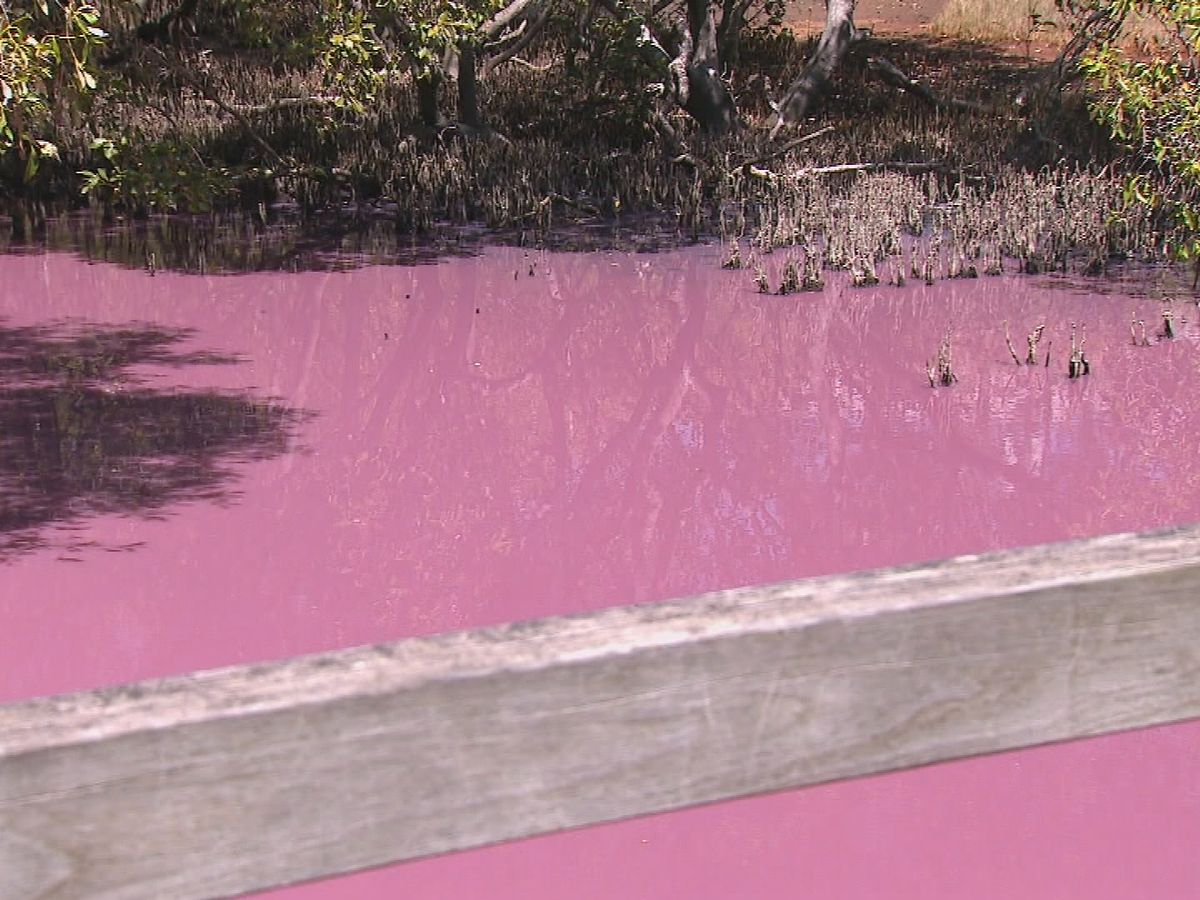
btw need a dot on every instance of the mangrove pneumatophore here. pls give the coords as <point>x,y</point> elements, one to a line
<point>941,369</point>
<point>1077,362</point>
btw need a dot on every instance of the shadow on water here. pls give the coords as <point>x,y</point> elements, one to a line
<point>237,244</point>
<point>81,436</point>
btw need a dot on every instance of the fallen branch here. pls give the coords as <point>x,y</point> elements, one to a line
<point>471,132</point>
<point>533,67</point>
<point>550,199</point>
<point>786,148</point>
<point>891,74</point>
<point>914,168</point>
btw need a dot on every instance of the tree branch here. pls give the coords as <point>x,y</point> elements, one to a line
<point>534,28</point>
<point>495,26</point>
<point>1101,26</point>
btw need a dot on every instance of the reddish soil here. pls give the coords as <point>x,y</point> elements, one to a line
<point>910,18</point>
<point>903,16</point>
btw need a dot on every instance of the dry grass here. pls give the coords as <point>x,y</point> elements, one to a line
<point>998,20</point>
<point>1037,27</point>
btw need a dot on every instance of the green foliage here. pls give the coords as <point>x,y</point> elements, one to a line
<point>155,176</point>
<point>349,53</point>
<point>46,54</point>
<point>427,28</point>
<point>267,25</point>
<point>1149,99</point>
<point>202,103</point>
<point>360,47</point>
<point>626,69</point>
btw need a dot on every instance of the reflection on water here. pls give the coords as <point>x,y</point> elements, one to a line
<point>236,244</point>
<point>520,433</point>
<point>80,436</point>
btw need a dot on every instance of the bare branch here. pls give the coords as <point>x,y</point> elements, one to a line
<point>786,148</point>
<point>495,26</point>
<point>535,28</point>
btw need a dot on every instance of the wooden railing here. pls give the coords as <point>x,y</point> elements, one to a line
<point>226,781</point>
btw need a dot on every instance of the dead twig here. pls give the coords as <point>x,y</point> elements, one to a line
<point>1008,341</point>
<point>786,148</point>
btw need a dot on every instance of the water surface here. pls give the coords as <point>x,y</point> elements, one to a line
<point>200,471</point>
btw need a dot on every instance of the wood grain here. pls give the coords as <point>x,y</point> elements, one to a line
<point>226,781</point>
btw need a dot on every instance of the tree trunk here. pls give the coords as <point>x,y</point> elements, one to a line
<point>706,98</point>
<point>839,34</point>
<point>733,20</point>
<point>468,88</point>
<point>427,99</point>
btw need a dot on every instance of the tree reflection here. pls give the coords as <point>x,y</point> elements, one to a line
<point>80,436</point>
<point>236,244</point>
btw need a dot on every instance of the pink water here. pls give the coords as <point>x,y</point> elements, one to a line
<point>422,449</point>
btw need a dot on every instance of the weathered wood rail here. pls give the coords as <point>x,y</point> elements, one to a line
<point>226,781</point>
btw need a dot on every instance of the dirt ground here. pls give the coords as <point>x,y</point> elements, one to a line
<point>903,16</point>
<point>912,18</point>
